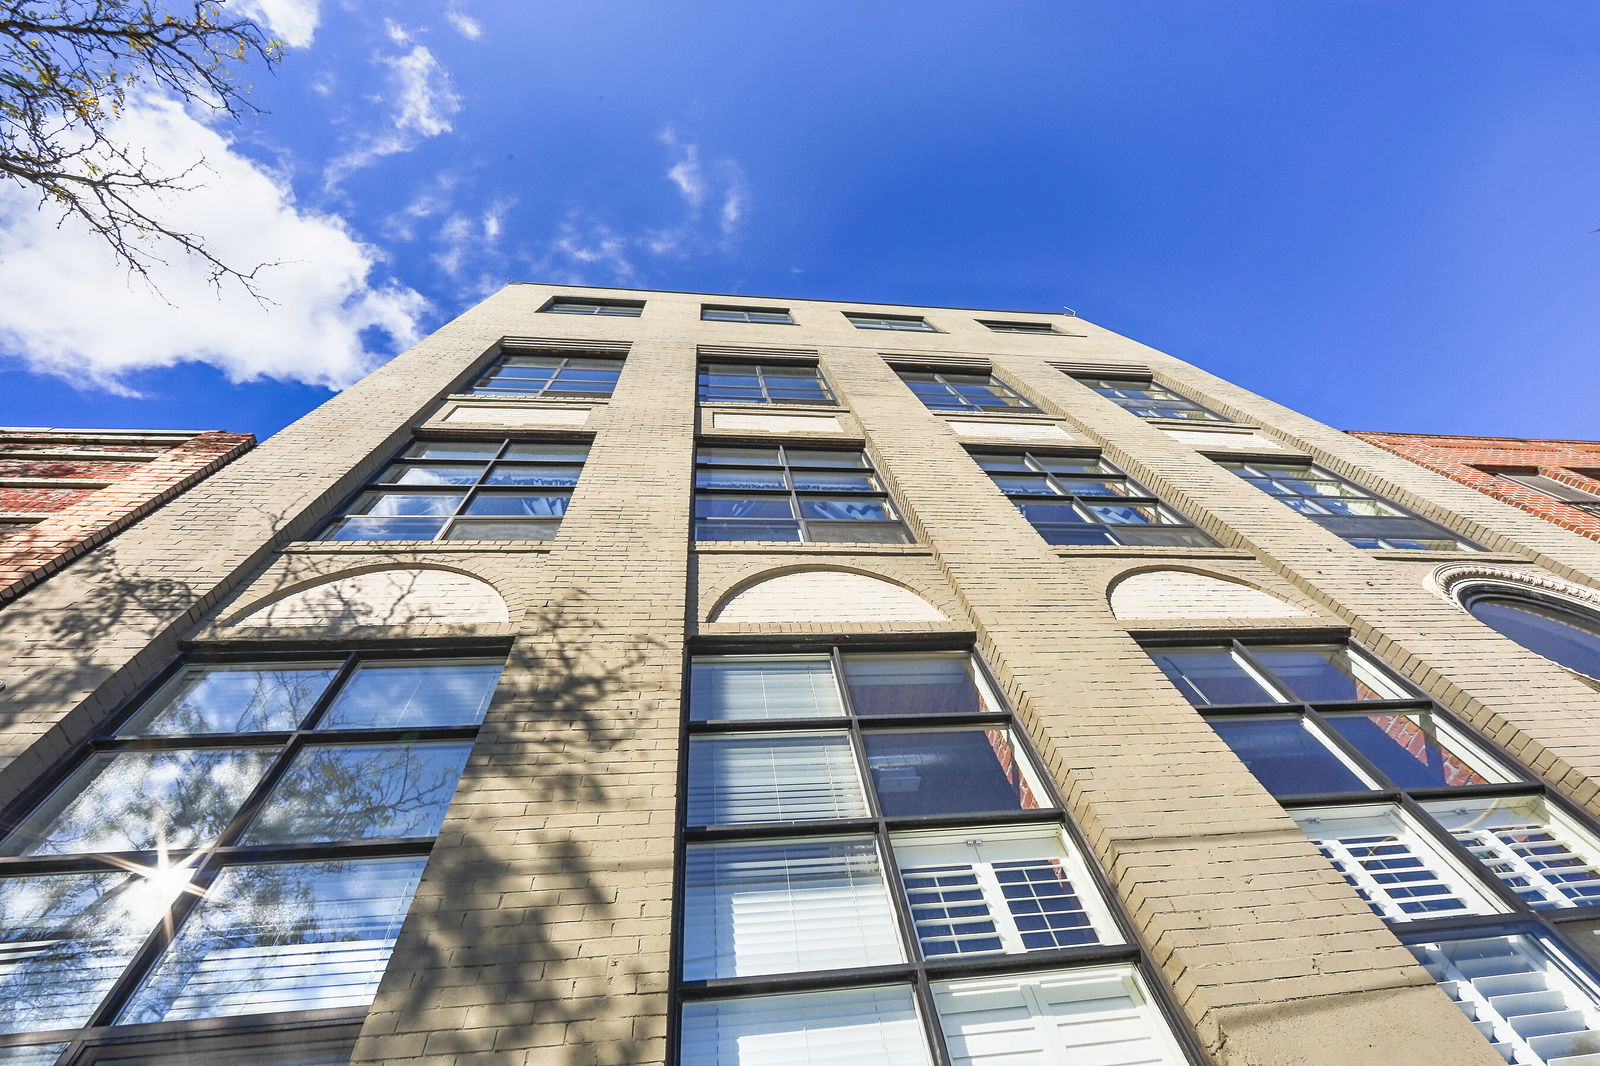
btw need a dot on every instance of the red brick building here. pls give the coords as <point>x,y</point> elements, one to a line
<point>62,491</point>
<point>1558,480</point>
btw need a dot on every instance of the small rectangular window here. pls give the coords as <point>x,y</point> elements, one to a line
<point>1146,399</point>
<point>770,316</point>
<point>1018,327</point>
<point>555,376</point>
<point>774,383</point>
<point>902,323</point>
<point>1582,499</point>
<point>791,494</point>
<point>1344,509</point>
<point>570,305</point>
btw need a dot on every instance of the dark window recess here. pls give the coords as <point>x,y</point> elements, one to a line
<point>1362,518</point>
<point>1559,630</point>
<point>969,393</point>
<point>1018,327</point>
<point>466,490</point>
<point>902,323</point>
<point>576,306</point>
<point>791,493</point>
<point>776,316</point>
<point>1073,499</point>
<point>558,375</point>
<point>1571,495</point>
<point>777,383</point>
<point>1149,400</point>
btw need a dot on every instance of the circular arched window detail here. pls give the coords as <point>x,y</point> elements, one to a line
<point>1560,630</point>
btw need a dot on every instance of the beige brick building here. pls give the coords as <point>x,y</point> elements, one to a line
<point>648,677</point>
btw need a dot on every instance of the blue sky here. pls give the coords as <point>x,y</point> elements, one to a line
<point>1378,213</point>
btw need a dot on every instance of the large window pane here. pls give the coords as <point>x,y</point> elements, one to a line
<point>141,801</point>
<point>876,1026</point>
<point>281,936</point>
<point>1286,757</point>
<point>753,688</point>
<point>361,791</point>
<point>407,694</point>
<point>949,771</point>
<point>231,699</point>
<point>1538,852</point>
<point>64,939</point>
<point>908,683</point>
<point>785,907</point>
<point>1416,750</point>
<point>780,777</point>
<point>1327,673</point>
<point>1212,676</point>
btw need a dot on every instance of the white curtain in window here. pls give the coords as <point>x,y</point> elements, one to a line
<point>1101,1016</point>
<point>784,907</point>
<point>746,688</point>
<point>776,777</point>
<point>851,1027</point>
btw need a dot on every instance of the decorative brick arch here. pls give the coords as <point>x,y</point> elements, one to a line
<point>384,596</point>
<point>823,594</point>
<point>1173,593</point>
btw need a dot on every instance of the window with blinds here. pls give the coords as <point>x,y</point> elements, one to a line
<point>877,1025</point>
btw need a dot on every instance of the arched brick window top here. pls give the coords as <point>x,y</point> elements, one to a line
<point>824,595</point>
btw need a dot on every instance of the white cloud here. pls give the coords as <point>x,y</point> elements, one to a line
<point>71,310</point>
<point>465,25</point>
<point>294,22</point>
<point>425,106</point>
<point>723,181</point>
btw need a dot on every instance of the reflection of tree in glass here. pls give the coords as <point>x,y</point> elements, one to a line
<point>408,694</point>
<point>141,801</point>
<point>281,936</point>
<point>351,792</point>
<point>231,699</point>
<point>64,938</point>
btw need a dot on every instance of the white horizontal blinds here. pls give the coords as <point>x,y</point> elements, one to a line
<point>747,688</point>
<point>1539,853</point>
<point>773,777</point>
<point>850,1027</point>
<point>1520,997</point>
<point>1000,889</point>
<point>1400,871</point>
<point>785,907</point>
<point>281,936</point>
<point>1099,1017</point>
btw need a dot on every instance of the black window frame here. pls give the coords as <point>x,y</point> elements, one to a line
<point>468,491</point>
<point>1171,400</point>
<point>210,859</point>
<point>732,313</point>
<point>1384,527</point>
<point>957,402</point>
<point>890,323</point>
<point>1035,328</point>
<point>1139,496</point>
<point>563,357</point>
<point>919,972</point>
<point>795,496</point>
<point>759,369</point>
<point>1521,782</point>
<point>590,305</point>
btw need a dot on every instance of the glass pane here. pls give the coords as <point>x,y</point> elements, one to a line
<point>1414,751</point>
<point>734,478</point>
<point>546,451</point>
<point>546,476</point>
<point>384,695</point>
<point>141,801</point>
<point>781,777</point>
<point>1096,486</point>
<point>1074,534</point>
<point>738,456</point>
<point>949,771</point>
<point>895,684</point>
<point>1536,850</point>
<point>735,530</point>
<point>519,504</point>
<point>1401,871</point>
<point>848,1027</point>
<point>817,481</point>
<point>360,792</point>
<point>300,1046</point>
<point>1211,676</point>
<point>404,504</point>
<point>1132,515</point>
<point>1285,757</point>
<point>999,461</point>
<point>1050,513</point>
<point>431,474</point>
<point>1327,673</point>
<point>844,510</point>
<point>1026,485</point>
<point>742,507</point>
<point>1563,636</point>
<point>231,699</point>
<point>858,532</point>
<point>386,529</point>
<point>32,1054</point>
<point>65,938</point>
<point>281,936</point>
<point>454,449</point>
<point>756,689</point>
<point>785,907</point>
<point>824,457</point>
<point>538,362</point>
<point>502,529</point>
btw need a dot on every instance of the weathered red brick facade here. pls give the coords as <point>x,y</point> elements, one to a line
<point>1474,461</point>
<point>64,491</point>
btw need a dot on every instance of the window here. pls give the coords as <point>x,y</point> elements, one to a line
<point>904,323</point>
<point>575,306</point>
<point>1557,628</point>
<point>1018,327</point>
<point>1340,507</point>
<point>1072,499</point>
<point>791,493</point>
<point>1149,400</point>
<point>246,840</point>
<point>1492,882</point>
<point>1571,495</point>
<point>763,383</point>
<point>861,824</point>
<point>555,376</point>
<point>758,315</point>
<point>466,490</point>
<point>966,393</point>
